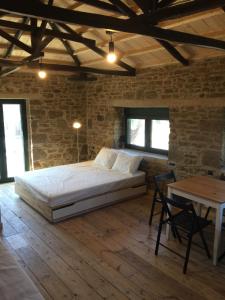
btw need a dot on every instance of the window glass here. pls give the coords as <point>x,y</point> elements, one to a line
<point>136,132</point>
<point>160,134</point>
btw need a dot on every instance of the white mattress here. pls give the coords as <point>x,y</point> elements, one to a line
<point>62,185</point>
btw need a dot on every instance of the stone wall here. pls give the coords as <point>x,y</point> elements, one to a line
<point>195,96</point>
<point>53,105</point>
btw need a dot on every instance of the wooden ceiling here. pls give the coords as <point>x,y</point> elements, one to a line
<point>69,35</point>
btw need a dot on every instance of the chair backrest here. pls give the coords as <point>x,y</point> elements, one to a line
<point>161,182</point>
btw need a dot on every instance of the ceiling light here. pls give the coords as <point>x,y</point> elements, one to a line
<point>42,74</point>
<point>111,56</point>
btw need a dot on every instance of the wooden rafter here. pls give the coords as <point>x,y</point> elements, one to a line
<point>16,36</point>
<point>101,52</point>
<point>123,8</point>
<point>48,32</point>
<point>15,41</point>
<point>154,11</point>
<point>62,15</point>
<point>67,46</point>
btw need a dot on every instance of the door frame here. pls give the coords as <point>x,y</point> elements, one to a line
<point>23,112</point>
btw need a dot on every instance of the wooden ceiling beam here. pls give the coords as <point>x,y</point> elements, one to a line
<point>62,15</point>
<point>15,41</point>
<point>67,46</point>
<point>174,52</point>
<point>67,68</point>
<point>63,68</point>
<point>123,8</point>
<point>143,5</point>
<point>16,66</point>
<point>16,36</point>
<point>183,9</point>
<point>48,32</point>
<point>101,52</point>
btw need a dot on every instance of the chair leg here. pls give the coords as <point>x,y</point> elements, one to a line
<point>204,243</point>
<point>159,232</point>
<point>152,212</point>
<point>178,234</point>
<point>187,254</point>
<point>158,238</point>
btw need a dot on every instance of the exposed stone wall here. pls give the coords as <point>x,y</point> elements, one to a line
<point>53,105</point>
<point>197,125</point>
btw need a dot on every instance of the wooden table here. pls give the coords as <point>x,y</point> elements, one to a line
<point>207,191</point>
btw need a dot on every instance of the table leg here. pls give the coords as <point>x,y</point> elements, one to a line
<point>168,229</point>
<point>217,236</point>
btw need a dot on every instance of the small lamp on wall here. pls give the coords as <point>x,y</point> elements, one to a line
<point>77,125</point>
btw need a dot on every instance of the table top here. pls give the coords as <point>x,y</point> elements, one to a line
<point>202,186</point>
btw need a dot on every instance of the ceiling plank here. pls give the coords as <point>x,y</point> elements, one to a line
<point>101,5</point>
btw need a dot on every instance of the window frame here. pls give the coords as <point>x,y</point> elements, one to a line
<point>148,114</point>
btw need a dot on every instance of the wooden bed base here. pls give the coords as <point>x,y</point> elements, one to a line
<point>57,214</point>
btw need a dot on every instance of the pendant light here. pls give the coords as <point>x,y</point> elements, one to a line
<point>111,56</point>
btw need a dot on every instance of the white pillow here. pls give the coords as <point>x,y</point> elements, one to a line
<point>126,163</point>
<point>106,158</point>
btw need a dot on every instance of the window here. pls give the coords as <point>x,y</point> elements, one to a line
<point>147,129</point>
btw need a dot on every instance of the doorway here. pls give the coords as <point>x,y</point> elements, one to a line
<point>13,139</point>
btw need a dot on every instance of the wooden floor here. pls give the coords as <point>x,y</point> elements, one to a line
<point>106,254</point>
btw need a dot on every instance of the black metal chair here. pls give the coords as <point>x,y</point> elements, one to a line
<point>161,187</point>
<point>185,220</point>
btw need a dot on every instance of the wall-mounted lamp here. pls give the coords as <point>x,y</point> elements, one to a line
<point>77,125</point>
<point>111,56</point>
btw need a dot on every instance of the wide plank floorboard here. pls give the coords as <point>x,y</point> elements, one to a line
<point>106,254</point>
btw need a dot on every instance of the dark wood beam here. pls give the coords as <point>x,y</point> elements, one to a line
<point>67,68</point>
<point>165,3</point>
<point>100,4</point>
<point>16,36</point>
<point>15,41</point>
<point>67,46</point>
<point>98,21</point>
<point>143,5</point>
<point>55,34</point>
<point>101,52</point>
<point>174,52</point>
<point>184,9</point>
<point>15,66</point>
<point>60,68</point>
<point>123,8</point>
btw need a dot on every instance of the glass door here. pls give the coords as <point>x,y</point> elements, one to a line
<point>13,139</point>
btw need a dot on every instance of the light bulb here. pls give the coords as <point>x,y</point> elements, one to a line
<point>111,57</point>
<point>76,125</point>
<point>42,74</point>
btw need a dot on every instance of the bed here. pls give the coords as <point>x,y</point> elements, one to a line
<point>69,190</point>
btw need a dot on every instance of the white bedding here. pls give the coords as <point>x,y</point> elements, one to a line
<point>67,184</point>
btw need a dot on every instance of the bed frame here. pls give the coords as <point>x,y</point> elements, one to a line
<point>60,213</point>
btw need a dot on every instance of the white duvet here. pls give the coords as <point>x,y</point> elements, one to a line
<point>65,184</point>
